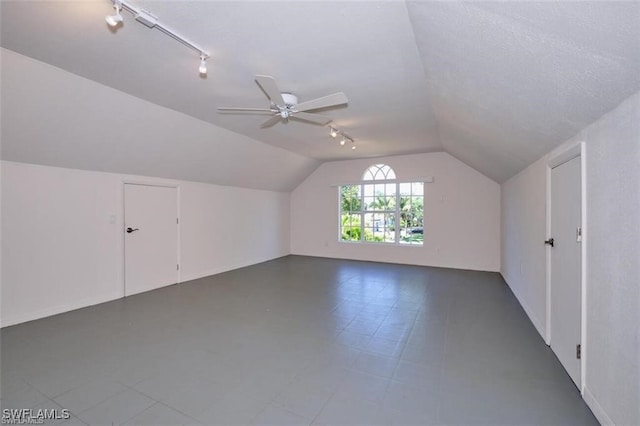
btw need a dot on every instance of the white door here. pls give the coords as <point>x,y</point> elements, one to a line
<point>151,237</point>
<point>566,287</point>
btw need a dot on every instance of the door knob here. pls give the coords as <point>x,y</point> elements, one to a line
<point>549,241</point>
<point>130,230</point>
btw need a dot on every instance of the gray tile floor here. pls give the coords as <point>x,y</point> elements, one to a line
<point>297,340</point>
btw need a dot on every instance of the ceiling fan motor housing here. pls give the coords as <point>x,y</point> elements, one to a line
<point>289,99</point>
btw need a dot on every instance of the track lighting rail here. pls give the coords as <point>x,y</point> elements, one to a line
<point>344,138</point>
<point>151,21</point>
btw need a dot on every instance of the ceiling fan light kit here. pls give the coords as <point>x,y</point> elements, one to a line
<point>289,99</point>
<point>151,21</point>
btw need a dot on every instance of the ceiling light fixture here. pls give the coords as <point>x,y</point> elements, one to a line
<point>353,144</point>
<point>334,132</point>
<point>114,20</point>
<point>203,64</point>
<point>151,21</point>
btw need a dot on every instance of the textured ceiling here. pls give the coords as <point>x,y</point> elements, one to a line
<point>509,81</point>
<point>496,84</point>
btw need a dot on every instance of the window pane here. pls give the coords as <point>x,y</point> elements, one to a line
<point>417,188</point>
<point>369,203</point>
<point>390,189</point>
<point>369,219</point>
<point>405,188</point>
<point>379,227</point>
<point>412,216</point>
<point>369,190</point>
<point>351,234</point>
<point>371,224</point>
<point>390,228</point>
<point>379,172</point>
<point>350,227</point>
<point>350,198</point>
<point>390,202</point>
<point>380,203</point>
<point>390,173</point>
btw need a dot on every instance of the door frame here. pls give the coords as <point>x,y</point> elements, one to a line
<point>144,182</point>
<point>555,160</point>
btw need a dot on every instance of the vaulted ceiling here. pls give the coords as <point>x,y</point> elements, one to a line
<point>496,84</point>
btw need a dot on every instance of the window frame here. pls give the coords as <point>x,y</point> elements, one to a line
<point>396,212</point>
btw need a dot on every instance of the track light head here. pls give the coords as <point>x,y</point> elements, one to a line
<point>343,141</point>
<point>333,132</point>
<point>353,147</point>
<point>114,20</point>
<point>203,64</point>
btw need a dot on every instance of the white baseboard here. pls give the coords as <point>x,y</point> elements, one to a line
<point>226,268</point>
<point>55,310</point>
<point>346,256</point>
<point>597,409</point>
<point>59,309</point>
<point>534,319</point>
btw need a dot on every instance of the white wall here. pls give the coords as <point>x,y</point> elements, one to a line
<point>59,251</point>
<point>56,118</point>
<point>612,232</point>
<point>462,214</point>
<point>523,232</point>
<point>225,228</point>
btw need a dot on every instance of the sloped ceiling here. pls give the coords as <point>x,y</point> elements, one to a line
<point>53,117</point>
<point>496,84</point>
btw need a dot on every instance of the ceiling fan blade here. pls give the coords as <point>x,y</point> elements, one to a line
<point>270,88</point>
<point>324,102</point>
<point>314,118</point>
<point>245,109</point>
<point>270,122</point>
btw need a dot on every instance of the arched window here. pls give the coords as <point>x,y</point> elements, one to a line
<point>379,172</point>
<point>382,210</point>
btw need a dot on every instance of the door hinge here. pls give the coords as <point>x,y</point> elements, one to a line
<point>579,351</point>
<point>177,267</point>
<point>177,221</point>
<point>579,234</point>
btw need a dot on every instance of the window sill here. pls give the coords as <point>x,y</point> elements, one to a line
<point>368,243</point>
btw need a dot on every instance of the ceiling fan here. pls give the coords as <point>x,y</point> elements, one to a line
<point>285,105</point>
